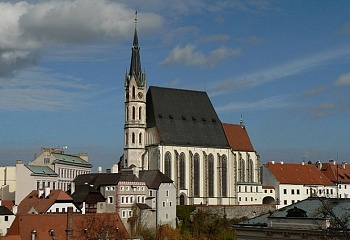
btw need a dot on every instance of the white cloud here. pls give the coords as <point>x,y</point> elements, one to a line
<point>278,101</point>
<point>343,80</point>
<point>281,71</point>
<point>26,28</point>
<point>187,55</point>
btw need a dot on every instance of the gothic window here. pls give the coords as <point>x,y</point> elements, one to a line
<point>140,111</point>
<point>133,137</point>
<point>133,92</point>
<point>133,113</point>
<point>127,114</point>
<point>182,171</point>
<point>251,170</point>
<point>211,175</point>
<point>196,176</point>
<point>242,170</point>
<point>224,176</point>
<point>167,164</point>
<point>140,138</point>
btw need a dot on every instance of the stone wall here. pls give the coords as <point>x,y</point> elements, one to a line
<point>238,211</point>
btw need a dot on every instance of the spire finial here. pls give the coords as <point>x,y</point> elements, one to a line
<point>135,18</point>
<point>241,122</point>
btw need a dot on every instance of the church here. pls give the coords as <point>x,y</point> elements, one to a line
<point>179,132</point>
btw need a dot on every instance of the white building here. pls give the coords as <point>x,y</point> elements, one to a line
<point>6,219</point>
<point>178,132</point>
<point>33,178</point>
<point>294,182</point>
<point>8,182</point>
<point>67,166</point>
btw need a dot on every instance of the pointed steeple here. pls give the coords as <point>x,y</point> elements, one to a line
<point>135,65</point>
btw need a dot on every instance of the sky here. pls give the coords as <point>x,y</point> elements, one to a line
<point>284,66</point>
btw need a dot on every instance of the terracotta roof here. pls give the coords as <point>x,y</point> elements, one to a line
<point>336,172</point>
<point>295,173</point>
<point>42,204</point>
<point>237,137</point>
<point>268,187</point>
<point>43,223</point>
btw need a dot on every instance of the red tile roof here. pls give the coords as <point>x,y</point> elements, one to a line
<point>295,173</point>
<point>336,172</point>
<point>42,204</point>
<point>43,223</point>
<point>237,137</point>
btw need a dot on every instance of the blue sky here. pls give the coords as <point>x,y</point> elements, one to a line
<point>283,65</point>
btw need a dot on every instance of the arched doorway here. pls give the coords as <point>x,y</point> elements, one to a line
<point>268,200</point>
<point>182,200</point>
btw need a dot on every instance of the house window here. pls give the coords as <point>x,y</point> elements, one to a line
<point>46,160</point>
<point>285,202</point>
<point>182,171</point>
<point>265,191</point>
<point>130,213</point>
<point>170,204</point>
<point>112,188</point>
<point>224,176</point>
<point>211,175</point>
<point>167,164</point>
<point>122,199</point>
<point>292,191</point>
<point>110,199</point>
<point>150,193</point>
<point>6,218</point>
<point>124,213</point>
<point>163,203</point>
<point>239,199</point>
<point>196,178</point>
<point>167,193</point>
<point>107,188</point>
<point>121,188</point>
<point>284,191</point>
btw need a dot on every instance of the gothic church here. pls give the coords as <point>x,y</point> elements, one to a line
<point>178,132</point>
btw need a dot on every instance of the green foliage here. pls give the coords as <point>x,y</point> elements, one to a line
<point>203,225</point>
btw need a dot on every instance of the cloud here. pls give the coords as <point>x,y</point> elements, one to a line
<point>216,38</point>
<point>343,80</point>
<point>314,91</point>
<point>252,40</point>
<point>344,29</point>
<point>187,55</point>
<point>322,110</point>
<point>278,101</point>
<point>281,71</point>
<point>41,89</point>
<point>26,28</point>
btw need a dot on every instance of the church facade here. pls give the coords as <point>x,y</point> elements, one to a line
<point>178,132</point>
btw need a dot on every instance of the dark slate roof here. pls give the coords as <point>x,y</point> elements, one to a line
<point>104,179</point>
<point>5,211</point>
<point>313,208</point>
<point>143,206</point>
<point>153,178</point>
<point>81,194</point>
<point>184,117</point>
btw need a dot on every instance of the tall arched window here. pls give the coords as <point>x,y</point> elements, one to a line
<point>224,176</point>
<point>167,164</point>
<point>182,165</point>
<point>126,139</point>
<point>196,176</point>
<point>127,114</point>
<point>242,171</point>
<point>133,137</point>
<point>251,170</point>
<point>140,113</point>
<point>133,92</point>
<point>211,175</point>
<point>140,138</point>
<point>133,113</point>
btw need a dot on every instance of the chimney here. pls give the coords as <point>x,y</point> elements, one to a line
<point>99,169</point>
<point>69,229</point>
<point>332,161</point>
<point>40,193</point>
<point>115,168</point>
<point>47,192</point>
<point>19,162</point>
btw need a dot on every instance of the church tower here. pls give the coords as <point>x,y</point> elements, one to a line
<point>135,109</point>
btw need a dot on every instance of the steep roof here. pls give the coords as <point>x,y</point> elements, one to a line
<point>70,159</point>
<point>336,172</point>
<point>86,193</point>
<point>5,211</point>
<point>184,117</point>
<point>153,178</point>
<point>295,173</point>
<point>238,137</point>
<point>104,179</point>
<point>42,204</point>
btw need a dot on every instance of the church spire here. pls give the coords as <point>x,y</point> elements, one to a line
<point>135,65</point>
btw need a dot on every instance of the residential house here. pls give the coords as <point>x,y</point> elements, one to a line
<point>47,201</point>
<point>294,182</point>
<point>6,219</point>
